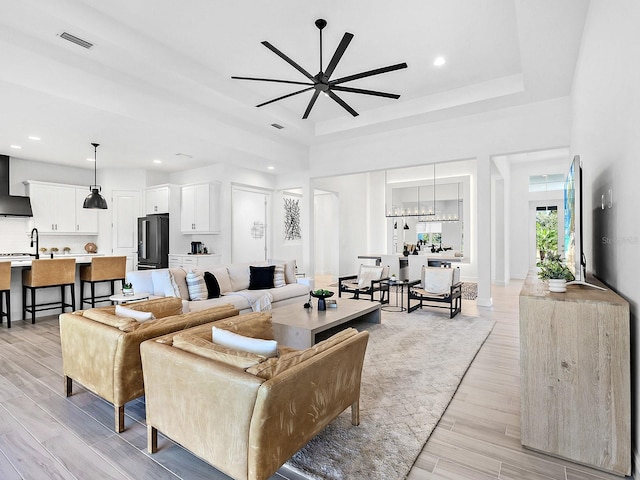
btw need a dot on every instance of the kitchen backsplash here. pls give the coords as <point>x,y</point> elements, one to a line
<point>14,238</point>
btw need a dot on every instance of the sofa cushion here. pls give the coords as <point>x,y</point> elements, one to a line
<point>222,276</point>
<point>254,325</point>
<point>197,286</point>
<point>204,348</point>
<point>290,290</point>
<point>274,366</point>
<point>213,287</point>
<point>125,324</point>
<point>122,311</point>
<point>160,307</point>
<point>278,276</point>
<point>239,276</point>
<point>164,285</point>
<point>261,278</point>
<point>266,348</point>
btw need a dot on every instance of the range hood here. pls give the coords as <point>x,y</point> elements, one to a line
<point>11,205</point>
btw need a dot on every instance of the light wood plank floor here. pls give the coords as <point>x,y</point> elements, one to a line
<point>44,435</point>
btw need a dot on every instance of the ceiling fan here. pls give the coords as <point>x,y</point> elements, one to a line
<point>321,82</point>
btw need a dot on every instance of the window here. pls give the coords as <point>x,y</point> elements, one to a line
<point>546,183</point>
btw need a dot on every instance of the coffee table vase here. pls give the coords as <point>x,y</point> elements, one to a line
<point>322,305</point>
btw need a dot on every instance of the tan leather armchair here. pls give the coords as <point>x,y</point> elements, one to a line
<point>241,423</point>
<point>102,351</point>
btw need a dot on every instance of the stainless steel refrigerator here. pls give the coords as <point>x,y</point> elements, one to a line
<point>153,241</point>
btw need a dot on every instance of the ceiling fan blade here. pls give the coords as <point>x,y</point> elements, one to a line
<point>272,80</point>
<point>365,92</point>
<point>285,96</point>
<point>344,43</point>
<point>289,61</point>
<point>369,73</point>
<point>311,103</point>
<point>341,102</point>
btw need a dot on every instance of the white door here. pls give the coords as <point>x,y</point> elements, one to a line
<point>126,209</point>
<point>248,225</point>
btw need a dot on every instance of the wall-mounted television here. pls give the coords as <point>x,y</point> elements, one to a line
<point>573,253</point>
<point>573,247</point>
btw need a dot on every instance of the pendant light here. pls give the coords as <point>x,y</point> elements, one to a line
<point>94,199</point>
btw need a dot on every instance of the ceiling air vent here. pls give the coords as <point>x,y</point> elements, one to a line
<point>76,40</point>
<point>275,125</point>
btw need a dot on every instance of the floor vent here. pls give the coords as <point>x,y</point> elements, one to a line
<point>275,125</point>
<point>76,40</point>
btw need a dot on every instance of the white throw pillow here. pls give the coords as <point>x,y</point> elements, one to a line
<point>164,284</point>
<point>278,277</point>
<point>266,348</point>
<point>197,286</point>
<point>135,314</point>
<point>367,274</point>
<point>222,276</point>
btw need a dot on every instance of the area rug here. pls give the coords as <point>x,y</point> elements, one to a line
<point>469,290</point>
<point>413,366</point>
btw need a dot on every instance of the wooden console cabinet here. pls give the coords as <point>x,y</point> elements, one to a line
<point>575,375</point>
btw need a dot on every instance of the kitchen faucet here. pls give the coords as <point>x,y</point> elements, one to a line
<point>35,230</point>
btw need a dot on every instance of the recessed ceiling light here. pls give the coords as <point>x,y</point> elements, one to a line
<point>17,147</point>
<point>439,61</point>
<point>271,167</point>
<point>157,161</point>
<point>33,137</point>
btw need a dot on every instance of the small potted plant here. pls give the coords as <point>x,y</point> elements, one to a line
<point>555,272</point>
<point>127,288</point>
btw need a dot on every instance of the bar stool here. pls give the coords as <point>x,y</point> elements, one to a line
<point>44,273</point>
<point>5,291</point>
<point>102,269</point>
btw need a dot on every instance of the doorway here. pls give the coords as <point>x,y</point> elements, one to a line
<point>124,214</point>
<point>547,237</point>
<point>249,209</point>
<point>326,248</point>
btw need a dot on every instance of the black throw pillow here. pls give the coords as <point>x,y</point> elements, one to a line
<point>213,287</point>
<point>261,277</point>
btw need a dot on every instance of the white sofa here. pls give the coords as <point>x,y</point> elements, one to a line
<point>234,286</point>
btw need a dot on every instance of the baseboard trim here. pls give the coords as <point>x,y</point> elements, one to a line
<point>484,301</point>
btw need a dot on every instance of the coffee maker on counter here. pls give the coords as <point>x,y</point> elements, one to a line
<point>197,248</point>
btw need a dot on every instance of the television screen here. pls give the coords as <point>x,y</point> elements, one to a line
<point>573,255</point>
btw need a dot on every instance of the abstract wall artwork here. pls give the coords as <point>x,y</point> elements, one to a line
<point>292,218</point>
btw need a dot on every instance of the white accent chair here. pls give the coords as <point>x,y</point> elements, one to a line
<point>437,285</point>
<point>366,282</point>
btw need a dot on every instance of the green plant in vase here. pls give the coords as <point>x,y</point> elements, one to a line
<point>127,288</point>
<point>555,272</point>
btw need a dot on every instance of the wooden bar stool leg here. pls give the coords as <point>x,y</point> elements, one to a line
<point>7,299</point>
<point>73,297</point>
<point>93,294</point>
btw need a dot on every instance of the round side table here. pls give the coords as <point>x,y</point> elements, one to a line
<point>134,297</point>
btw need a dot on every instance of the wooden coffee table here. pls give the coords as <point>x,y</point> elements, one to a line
<point>298,327</point>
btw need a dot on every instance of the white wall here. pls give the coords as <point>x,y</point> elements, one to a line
<point>606,126</point>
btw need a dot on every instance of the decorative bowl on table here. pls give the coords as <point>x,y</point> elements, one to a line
<point>321,295</point>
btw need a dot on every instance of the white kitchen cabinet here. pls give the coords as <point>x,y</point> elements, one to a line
<point>57,208</point>
<point>86,218</point>
<point>156,199</point>
<point>189,262</point>
<point>199,208</point>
